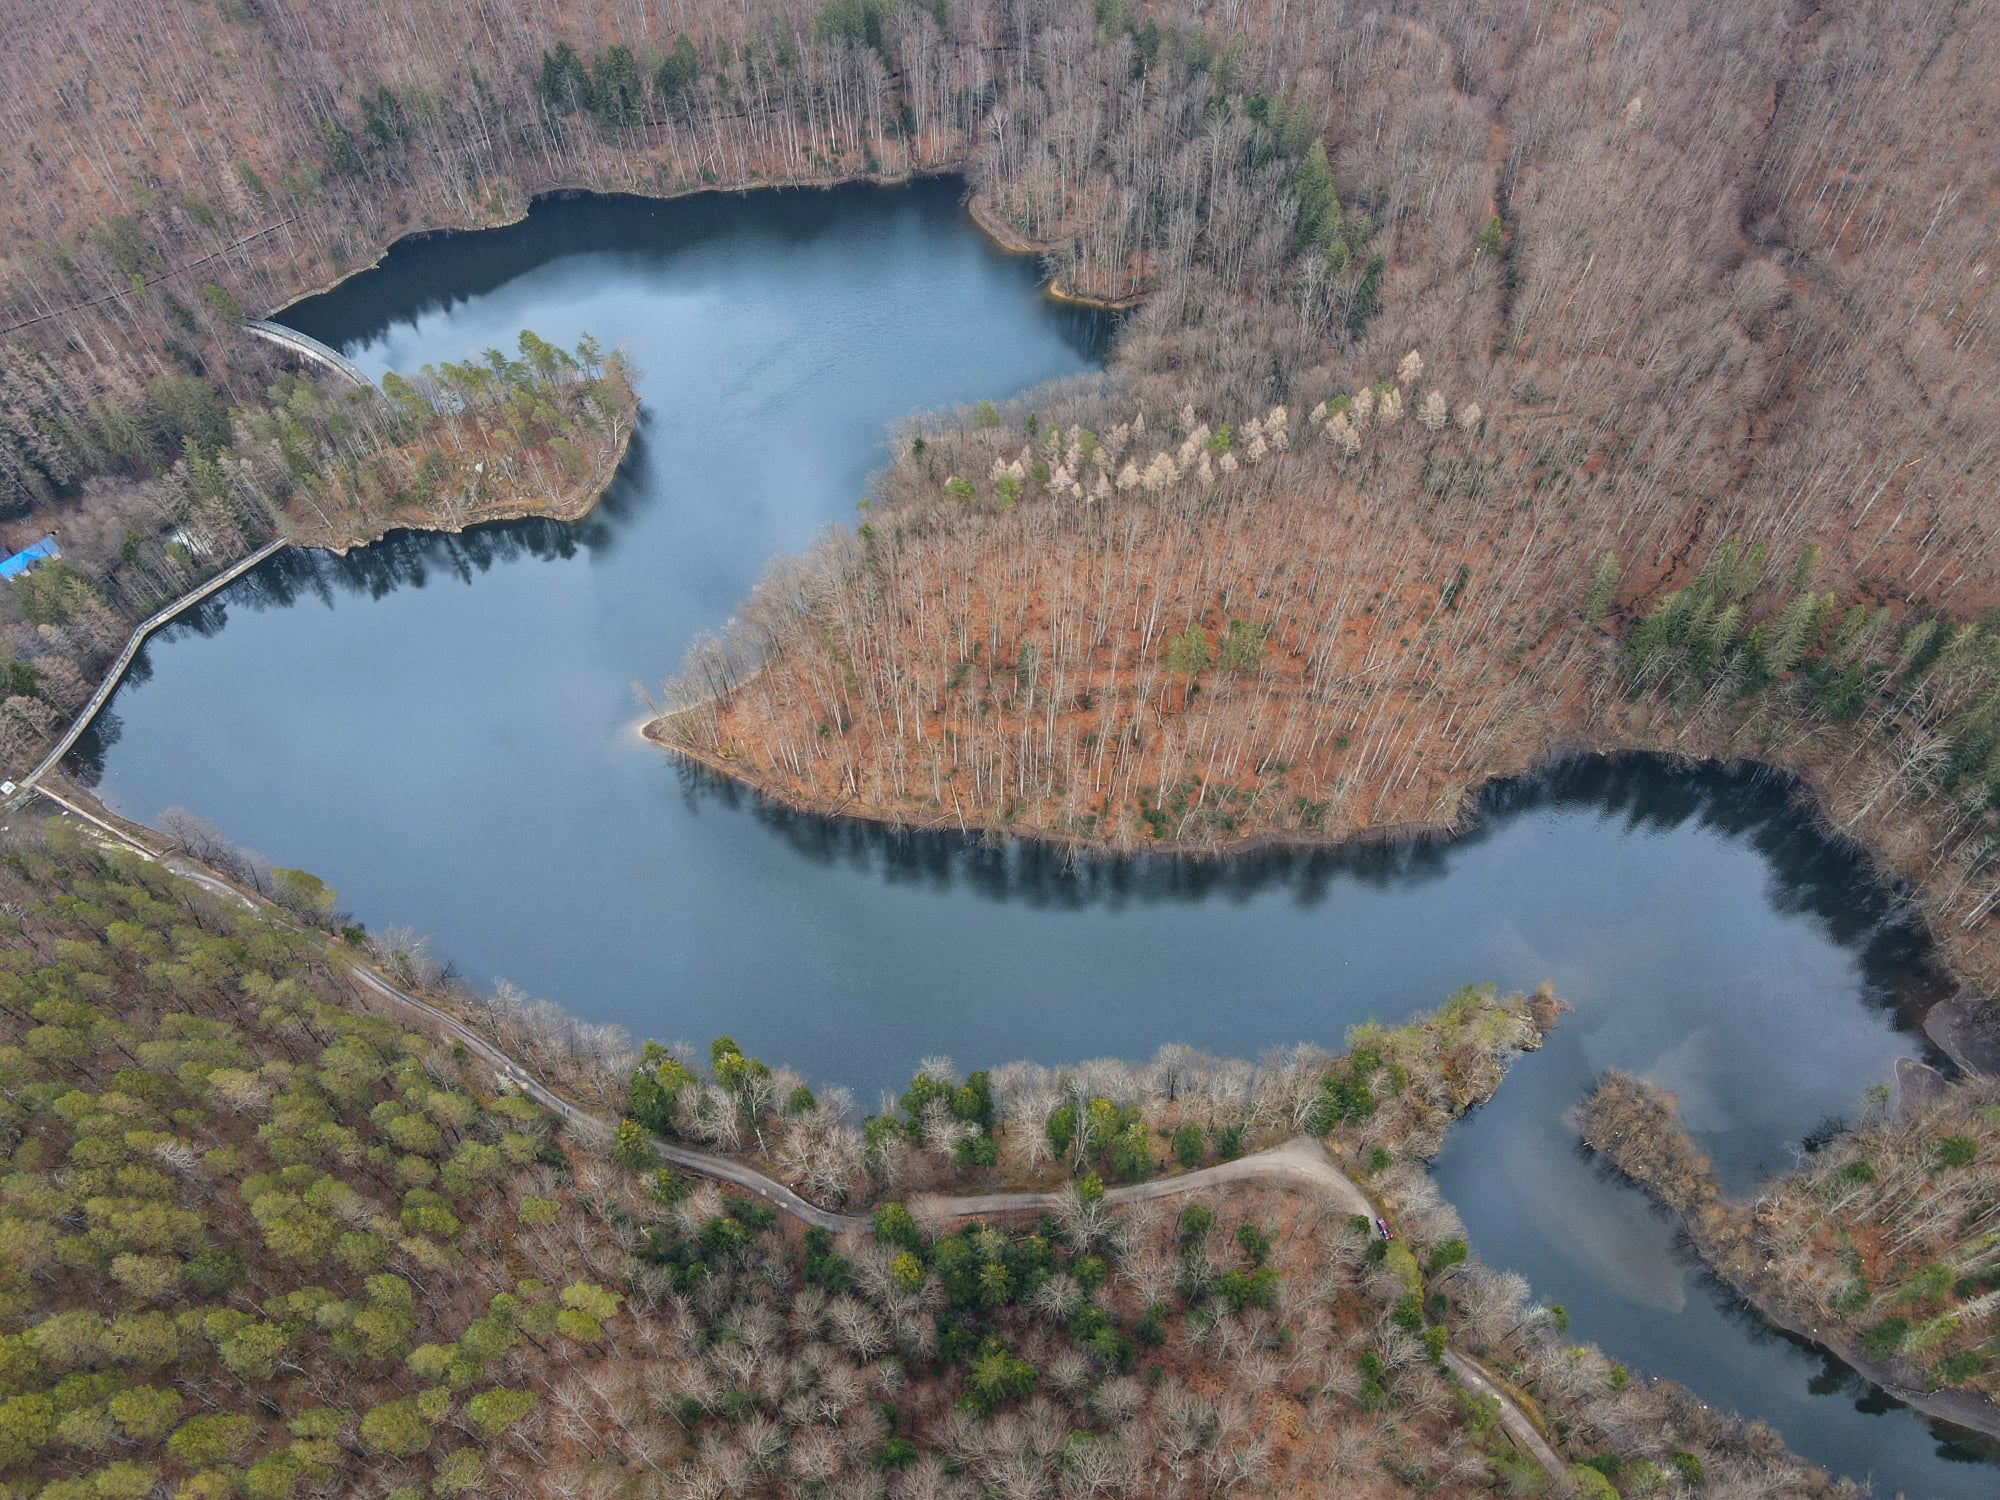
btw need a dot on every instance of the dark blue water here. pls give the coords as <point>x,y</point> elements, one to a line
<point>443,728</point>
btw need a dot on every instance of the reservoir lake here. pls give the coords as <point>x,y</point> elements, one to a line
<point>444,728</point>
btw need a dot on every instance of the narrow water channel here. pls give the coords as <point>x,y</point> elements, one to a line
<point>442,728</point>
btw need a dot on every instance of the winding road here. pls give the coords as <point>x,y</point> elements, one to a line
<point>1302,1160</point>
<point>133,642</point>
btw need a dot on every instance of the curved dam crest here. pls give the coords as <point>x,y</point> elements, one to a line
<point>440,727</point>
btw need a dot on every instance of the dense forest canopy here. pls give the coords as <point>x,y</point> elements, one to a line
<point>267,1240</point>
<point>1882,1235</point>
<point>313,462</point>
<point>1674,275</point>
<point>1716,257</point>
<point>1497,377</point>
<point>1708,263</point>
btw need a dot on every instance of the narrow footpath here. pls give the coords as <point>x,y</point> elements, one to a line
<point>1526,1435</point>
<point>137,639</point>
<point>1302,1160</point>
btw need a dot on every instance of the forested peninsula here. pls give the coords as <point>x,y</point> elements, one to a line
<point>1593,341</point>
<point>1541,429</point>
<point>276,1226</point>
<point>1878,1245</point>
<point>316,463</point>
<point>1498,380</point>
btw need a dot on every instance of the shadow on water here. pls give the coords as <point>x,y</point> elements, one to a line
<point>86,757</point>
<point>630,233</point>
<point>400,559</point>
<point>460,758</point>
<point>1829,882</point>
<point>1814,873</point>
<point>1831,1376</point>
<point>1728,1334</point>
<point>406,559</point>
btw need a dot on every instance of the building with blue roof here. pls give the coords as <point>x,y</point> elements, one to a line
<point>27,557</point>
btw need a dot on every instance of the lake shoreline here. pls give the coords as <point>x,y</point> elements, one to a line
<point>1004,237</point>
<point>1960,1409</point>
<point>1722,1233</point>
<point>571,506</point>
<point>1451,819</point>
<point>1967,1031</point>
<point>1959,1041</point>
<point>557,192</point>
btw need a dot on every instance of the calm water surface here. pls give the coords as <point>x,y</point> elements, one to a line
<point>443,729</point>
